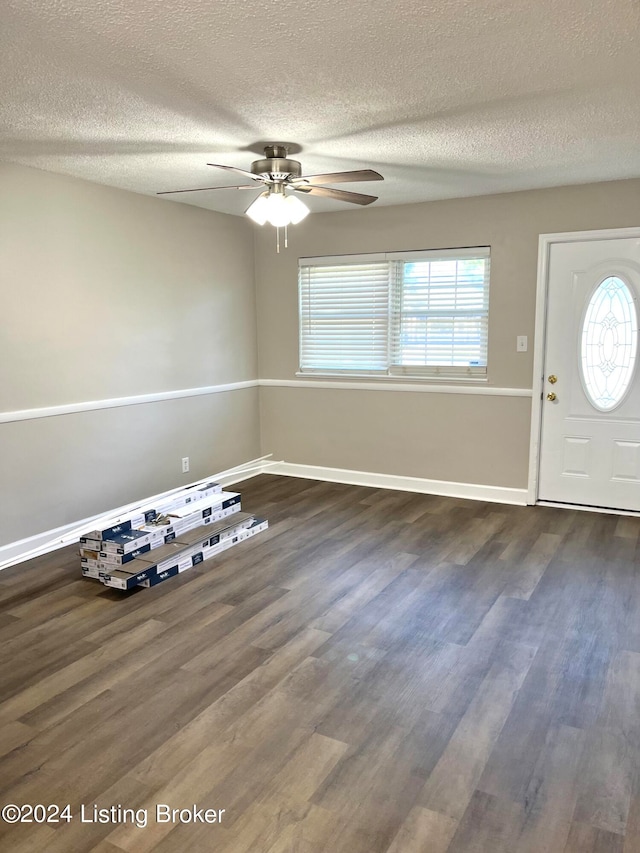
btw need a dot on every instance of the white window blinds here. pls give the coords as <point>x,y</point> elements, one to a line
<point>344,316</point>
<point>409,313</point>
<point>441,314</point>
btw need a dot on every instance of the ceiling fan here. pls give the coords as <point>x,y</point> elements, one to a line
<point>277,174</point>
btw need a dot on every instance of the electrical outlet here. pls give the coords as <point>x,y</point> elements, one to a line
<point>185,464</point>
<point>522,344</point>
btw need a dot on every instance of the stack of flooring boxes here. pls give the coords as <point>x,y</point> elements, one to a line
<point>157,542</point>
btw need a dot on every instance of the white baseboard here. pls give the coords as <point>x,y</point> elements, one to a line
<point>59,537</point>
<point>41,543</point>
<point>471,491</point>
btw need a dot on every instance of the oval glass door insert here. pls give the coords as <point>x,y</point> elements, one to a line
<point>609,344</point>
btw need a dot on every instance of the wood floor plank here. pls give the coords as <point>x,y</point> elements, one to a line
<point>621,702</point>
<point>607,776</point>
<point>476,534</point>
<point>229,709</point>
<point>424,830</point>
<point>588,839</point>
<point>564,686</point>
<point>301,776</point>
<point>526,574</point>
<point>628,528</point>
<point>488,824</point>
<point>551,798</point>
<point>451,785</point>
<point>255,771</point>
<point>374,787</point>
<point>293,826</point>
<point>85,835</point>
<point>632,829</point>
<point>25,838</point>
<point>13,735</point>
<point>307,834</point>
<point>62,679</point>
<point>114,672</point>
<point>376,575</point>
<point>191,785</point>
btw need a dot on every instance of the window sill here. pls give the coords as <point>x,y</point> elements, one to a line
<point>396,378</point>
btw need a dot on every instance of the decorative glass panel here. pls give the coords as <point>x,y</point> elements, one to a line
<point>609,344</point>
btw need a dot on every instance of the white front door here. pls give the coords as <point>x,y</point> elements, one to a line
<point>590,439</point>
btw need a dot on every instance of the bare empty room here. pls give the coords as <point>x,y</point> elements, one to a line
<point>319,427</point>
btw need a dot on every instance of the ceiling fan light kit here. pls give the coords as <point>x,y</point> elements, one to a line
<point>277,208</point>
<point>278,174</point>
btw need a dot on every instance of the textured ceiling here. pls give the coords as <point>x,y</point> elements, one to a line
<point>447,99</point>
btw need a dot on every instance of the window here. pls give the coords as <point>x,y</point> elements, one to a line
<point>609,343</point>
<point>400,313</point>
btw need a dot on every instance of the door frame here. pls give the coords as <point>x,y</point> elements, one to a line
<point>545,242</point>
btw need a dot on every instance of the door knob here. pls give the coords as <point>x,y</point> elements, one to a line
<point>551,397</point>
<point>553,379</point>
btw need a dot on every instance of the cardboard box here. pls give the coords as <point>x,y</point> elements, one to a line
<point>90,544</point>
<point>204,521</point>
<point>231,536</point>
<point>238,519</point>
<point>90,553</point>
<point>258,525</point>
<point>207,506</point>
<point>180,525</point>
<point>156,579</point>
<point>91,572</point>
<point>114,537</point>
<point>240,535</point>
<point>122,580</point>
<point>222,529</point>
<point>139,519</point>
<point>175,555</point>
<point>161,559</point>
<point>113,559</point>
<point>109,532</point>
<point>125,543</point>
<point>187,550</point>
<point>115,548</point>
<point>148,512</point>
<point>202,533</point>
<point>193,494</point>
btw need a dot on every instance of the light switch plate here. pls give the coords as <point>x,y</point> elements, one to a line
<point>522,343</point>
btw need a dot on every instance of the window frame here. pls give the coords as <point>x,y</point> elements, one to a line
<point>393,371</point>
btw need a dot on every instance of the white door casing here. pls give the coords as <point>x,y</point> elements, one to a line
<point>589,450</point>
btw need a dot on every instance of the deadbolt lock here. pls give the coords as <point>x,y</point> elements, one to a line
<point>551,397</point>
<point>553,379</point>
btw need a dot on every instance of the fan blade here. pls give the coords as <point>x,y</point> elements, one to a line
<point>237,171</point>
<point>340,177</point>
<point>338,195</point>
<point>202,189</point>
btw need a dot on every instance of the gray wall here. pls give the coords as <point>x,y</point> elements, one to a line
<point>110,294</point>
<point>471,438</point>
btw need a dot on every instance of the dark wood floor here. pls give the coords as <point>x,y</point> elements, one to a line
<point>380,672</point>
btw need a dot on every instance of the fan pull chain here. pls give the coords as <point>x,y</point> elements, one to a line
<point>286,238</point>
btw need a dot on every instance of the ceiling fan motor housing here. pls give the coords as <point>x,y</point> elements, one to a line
<point>276,166</point>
